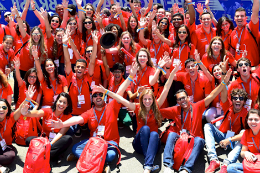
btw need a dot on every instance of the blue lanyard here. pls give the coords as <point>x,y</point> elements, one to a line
<point>79,89</point>
<point>193,86</point>
<point>180,50</point>
<point>249,88</point>
<point>207,37</point>
<point>54,91</point>
<point>226,37</point>
<point>4,129</point>
<point>6,56</point>
<point>88,38</point>
<point>140,77</point>
<point>239,39</point>
<point>156,52</point>
<point>191,114</point>
<point>100,117</point>
<point>21,40</point>
<point>233,122</point>
<point>1,93</point>
<point>255,145</point>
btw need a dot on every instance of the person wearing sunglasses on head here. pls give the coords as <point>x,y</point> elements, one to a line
<point>247,81</point>
<point>7,120</point>
<point>230,131</point>
<point>4,29</point>
<point>245,36</point>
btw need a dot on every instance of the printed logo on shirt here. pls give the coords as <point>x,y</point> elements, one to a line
<point>203,40</point>
<point>211,65</point>
<point>187,86</point>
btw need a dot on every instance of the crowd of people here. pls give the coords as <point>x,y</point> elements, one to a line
<point>204,79</point>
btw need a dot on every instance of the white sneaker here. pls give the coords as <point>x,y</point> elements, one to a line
<point>4,169</point>
<point>168,170</point>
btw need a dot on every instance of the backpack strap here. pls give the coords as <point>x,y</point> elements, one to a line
<point>251,34</point>
<point>118,151</point>
<point>21,48</point>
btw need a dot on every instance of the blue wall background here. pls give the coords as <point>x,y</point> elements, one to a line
<point>218,7</point>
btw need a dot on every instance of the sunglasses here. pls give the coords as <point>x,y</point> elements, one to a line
<point>89,51</point>
<point>182,32</point>
<point>98,94</point>
<point>164,23</point>
<point>176,19</point>
<point>36,34</point>
<point>74,23</point>
<point>181,99</point>
<point>59,29</point>
<point>56,21</point>
<point>89,22</point>
<point>7,15</point>
<point>89,9</point>
<point>32,77</point>
<point>3,107</point>
<point>168,68</point>
<point>236,98</point>
<point>241,64</point>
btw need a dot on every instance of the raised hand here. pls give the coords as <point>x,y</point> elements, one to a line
<point>30,92</point>
<point>175,8</point>
<point>152,15</point>
<point>95,37</point>
<point>142,23</point>
<point>16,63</point>
<point>35,52</point>
<point>32,5</point>
<point>118,8</point>
<point>181,10</point>
<point>65,3</point>
<point>163,61</point>
<point>44,13</point>
<point>207,3</point>
<point>133,69</point>
<point>197,56</point>
<point>227,77</point>
<point>24,109</point>
<point>177,67</point>
<point>199,8</point>
<point>223,65</point>
<point>142,11</point>
<point>78,2</point>
<point>99,88</point>
<point>14,10</point>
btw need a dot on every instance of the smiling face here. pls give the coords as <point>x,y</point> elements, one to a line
<point>49,67</point>
<point>113,11</point>
<point>163,24</point>
<point>192,69</point>
<point>80,68</point>
<point>243,68</point>
<point>254,121</point>
<point>225,26</point>
<point>72,25</point>
<point>32,78</point>
<point>133,22</point>
<point>147,100</point>
<point>240,18</point>
<point>183,100</point>
<point>97,99</point>
<point>114,30</point>
<point>160,13</point>
<point>36,35</point>
<point>59,10</point>
<point>142,58</point>
<point>126,40</point>
<point>238,103</point>
<point>59,36</point>
<point>55,22</point>
<point>7,44</point>
<point>3,110</point>
<point>118,75</point>
<point>182,33</point>
<point>88,24</point>
<point>137,7</point>
<point>61,104</point>
<point>206,21</point>
<point>89,52</point>
<point>217,72</point>
<point>89,11</point>
<point>177,21</point>
<point>168,15</point>
<point>216,46</point>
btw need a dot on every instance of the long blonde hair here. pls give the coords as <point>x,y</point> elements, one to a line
<point>142,112</point>
<point>42,45</point>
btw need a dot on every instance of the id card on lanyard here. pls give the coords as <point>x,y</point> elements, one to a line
<point>2,142</point>
<point>81,98</point>
<point>53,134</point>
<point>100,130</point>
<point>54,91</point>
<point>248,101</point>
<point>183,122</point>
<point>239,42</point>
<point>230,133</point>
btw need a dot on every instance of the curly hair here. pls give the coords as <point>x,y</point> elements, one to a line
<point>240,92</point>
<point>132,44</point>
<point>47,76</point>
<point>142,112</point>
<point>3,79</point>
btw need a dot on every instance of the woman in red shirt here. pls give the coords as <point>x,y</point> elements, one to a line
<point>164,25</point>
<point>132,26</point>
<point>250,141</point>
<point>224,28</point>
<point>5,88</point>
<point>60,110</point>
<point>52,83</point>
<point>146,141</point>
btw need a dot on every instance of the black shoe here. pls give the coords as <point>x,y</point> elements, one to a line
<point>155,169</point>
<point>78,133</point>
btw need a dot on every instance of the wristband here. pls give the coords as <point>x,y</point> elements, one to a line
<point>131,77</point>
<point>82,10</point>
<point>65,45</point>
<point>33,9</point>
<point>231,145</point>
<point>198,63</point>
<point>191,3</point>
<point>69,9</point>
<point>223,83</point>
<point>105,95</point>
<point>139,29</point>
<point>163,71</point>
<point>117,15</point>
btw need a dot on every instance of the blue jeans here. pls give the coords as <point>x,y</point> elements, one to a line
<point>235,168</point>
<point>77,149</point>
<point>148,144</point>
<point>169,148</point>
<point>212,135</point>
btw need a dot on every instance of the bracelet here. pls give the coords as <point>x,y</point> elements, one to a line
<point>105,95</point>
<point>27,100</point>
<point>223,83</point>
<point>82,10</point>
<point>65,45</point>
<point>163,71</point>
<point>231,145</point>
<point>139,29</point>
<point>131,76</point>
<point>191,3</point>
<point>199,63</point>
<point>131,79</point>
<point>69,9</point>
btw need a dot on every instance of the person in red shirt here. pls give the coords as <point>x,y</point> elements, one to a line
<point>229,133</point>
<point>201,37</point>
<point>6,54</point>
<point>193,80</point>
<point>241,39</point>
<point>132,28</point>
<point>7,120</point>
<point>60,110</point>
<point>217,53</point>
<point>5,88</point>
<point>188,118</point>
<point>250,141</point>
<point>52,83</point>
<point>224,29</point>
<point>146,141</point>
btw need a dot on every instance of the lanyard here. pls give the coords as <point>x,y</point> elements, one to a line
<point>79,89</point>
<point>55,87</point>
<point>233,122</point>
<point>226,37</point>
<point>249,88</point>
<point>4,129</point>
<point>100,117</point>
<point>141,77</point>
<point>191,114</point>
<point>180,50</point>
<point>88,38</point>
<point>239,39</point>
<point>193,86</point>
<point>207,37</point>
<point>2,93</point>
<point>21,40</point>
<point>56,116</point>
<point>156,52</point>
<point>255,145</point>
<point>6,56</point>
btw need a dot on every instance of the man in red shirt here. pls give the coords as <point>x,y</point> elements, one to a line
<point>188,118</point>
<point>229,133</point>
<point>193,80</point>
<point>245,36</point>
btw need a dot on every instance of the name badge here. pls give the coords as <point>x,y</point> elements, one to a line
<point>101,130</point>
<point>81,99</point>
<point>3,144</point>
<point>237,48</point>
<point>248,104</point>
<point>128,67</point>
<point>110,100</point>
<point>219,109</point>
<point>191,99</point>
<point>57,62</point>
<point>206,47</point>
<point>230,134</point>
<point>71,53</point>
<point>51,136</point>
<point>55,97</point>
<point>92,84</point>
<point>154,60</point>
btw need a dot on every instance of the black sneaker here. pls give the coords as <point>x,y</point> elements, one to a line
<point>78,133</point>
<point>155,169</point>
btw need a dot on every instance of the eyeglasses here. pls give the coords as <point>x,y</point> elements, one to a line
<point>177,19</point>
<point>253,119</point>
<point>89,9</point>
<point>182,32</point>
<point>88,51</point>
<point>89,22</point>
<point>7,15</point>
<point>3,107</point>
<point>56,21</point>
<point>181,99</point>
<point>36,34</point>
<point>238,98</point>
<point>164,23</point>
<point>98,94</point>
<point>74,23</point>
<point>241,64</point>
<point>32,77</point>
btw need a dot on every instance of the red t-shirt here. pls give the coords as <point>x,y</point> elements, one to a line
<point>194,123</point>
<point>112,58</point>
<point>7,134</point>
<point>202,85</point>
<point>246,39</point>
<point>218,98</point>
<point>109,20</point>
<point>48,93</point>
<point>5,91</point>
<point>18,42</point>
<point>49,115</point>
<point>113,87</point>
<point>5,58</point>
<point>226,39</point>
<point>201,39</point>
<point>60,54</point>
<point>76,37</point>
<point>85,90</point>
<point>4,30</point>
<point>157,50</point>
<point>248,141</point>
<point>127,59</point>
<point>22,94</point>
<point>236,119</point>
<point>99,72</point>
<point>109,120</point>
<point>151,122</point>
<point>89,42</point>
